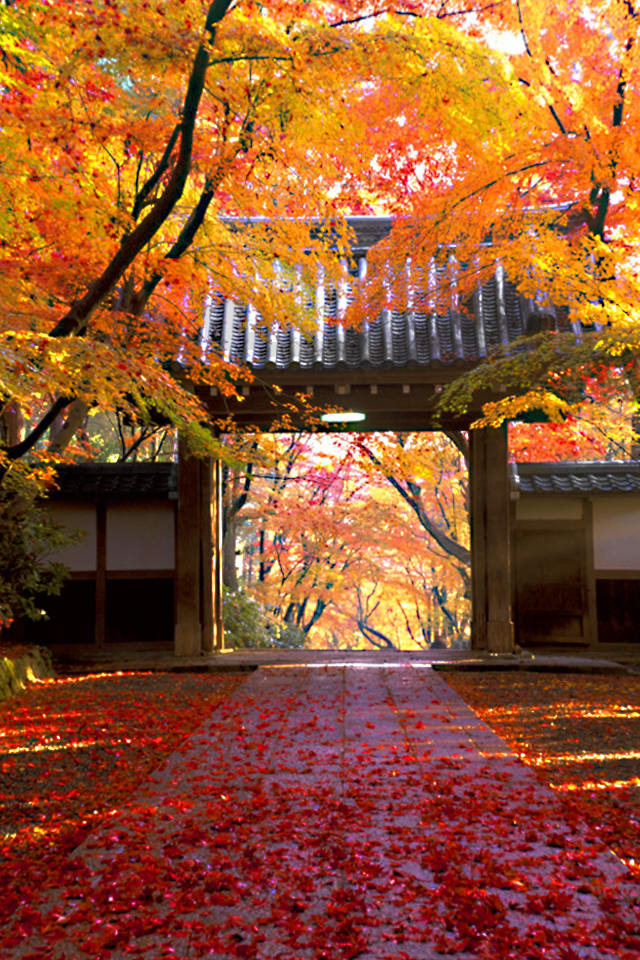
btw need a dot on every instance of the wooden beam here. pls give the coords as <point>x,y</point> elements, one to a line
<point>478,524</point>
<point>498,552</point>
<point>188,629</point>
<point>591,625</point>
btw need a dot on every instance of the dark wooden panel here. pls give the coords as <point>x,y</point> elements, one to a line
<point>618,604</point>
<point>551,595</point>
<point>71,615</point>
<point>139,611</point>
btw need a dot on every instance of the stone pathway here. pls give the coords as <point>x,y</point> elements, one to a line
<point>331,812</point>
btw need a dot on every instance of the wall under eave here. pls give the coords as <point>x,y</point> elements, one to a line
<point>141,535</point>
<point>616,532</point>
<point>76,517</point>
<point>537,507</point>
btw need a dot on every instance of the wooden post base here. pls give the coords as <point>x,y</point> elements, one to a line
<point>500,636</point>
<point>187,638</point>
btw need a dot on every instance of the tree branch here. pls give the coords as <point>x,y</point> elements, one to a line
<point>77,317</point>
<point>413,497</point>
<point>19,449</point>
<point>154,179</point>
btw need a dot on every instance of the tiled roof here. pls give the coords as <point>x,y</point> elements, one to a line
<point>159,480</point>
<point>420,338</point>
<point>92,481</point>
<point>583,477</point>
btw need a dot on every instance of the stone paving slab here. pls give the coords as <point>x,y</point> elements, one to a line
<point>89,658</point>
<point>329,812</point>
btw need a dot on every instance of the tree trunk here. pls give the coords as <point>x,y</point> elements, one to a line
<point>229,572</point>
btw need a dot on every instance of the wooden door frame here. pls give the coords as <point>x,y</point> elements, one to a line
<point>198,626</point>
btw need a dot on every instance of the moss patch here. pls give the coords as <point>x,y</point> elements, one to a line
<point>20,665</point>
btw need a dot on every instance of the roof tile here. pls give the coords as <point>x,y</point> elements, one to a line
<point>93,481</point>
<point>439,332</point>
<point>582,477</point>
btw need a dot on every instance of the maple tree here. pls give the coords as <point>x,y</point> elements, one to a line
<point>123,160</point>
<point>527,157</point>
<point>128,143</point>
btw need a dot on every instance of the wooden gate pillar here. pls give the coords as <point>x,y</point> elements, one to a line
<point>198,626</point>
<point>188,625</point>
<point>492,627</point>
<point>207,556</point>
<point>213,631</point>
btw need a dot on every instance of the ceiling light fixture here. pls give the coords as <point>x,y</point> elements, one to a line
<point>343,416</point>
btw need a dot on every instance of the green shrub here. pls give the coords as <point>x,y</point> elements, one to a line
<point>28,537</point>
<point>248,624</point>
<point>20,666</point>
<point>245,623</point>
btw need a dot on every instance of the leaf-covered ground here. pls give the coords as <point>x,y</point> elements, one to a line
<point>73,749</point>
<point>581,734</point>
<point>318,814</point>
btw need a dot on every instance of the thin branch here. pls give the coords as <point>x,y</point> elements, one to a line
<point>522,30</point>
<point>460,441</point>
<point>440,15</point>
<point>77,317</point>
<point>523,34</point>
<point>19,449</point>
<point>412,496</point>
<point>155,177</point>
<point>496,181</point>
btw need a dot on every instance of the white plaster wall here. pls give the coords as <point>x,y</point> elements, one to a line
<point>76,516</point>
<point>616,532</point>
<point>545,507</point>
<point>140,536</point>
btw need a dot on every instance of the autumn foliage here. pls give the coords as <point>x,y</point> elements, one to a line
<point>128,142</point>
<point>518,143</point>
<point>152,162</point>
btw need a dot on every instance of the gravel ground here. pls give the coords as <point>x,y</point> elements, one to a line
<point>581,734</point>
